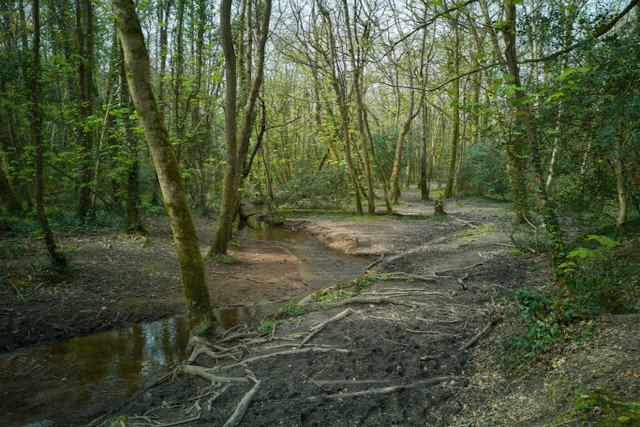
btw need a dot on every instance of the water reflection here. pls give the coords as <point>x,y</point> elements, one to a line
<point>74,381</point>
<point>70,382</point>
<point>321,265</point>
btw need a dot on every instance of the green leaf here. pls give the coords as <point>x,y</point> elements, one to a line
<point>603,240</point>
<point>583,253</point>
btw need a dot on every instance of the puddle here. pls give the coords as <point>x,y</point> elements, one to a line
<point>73,382</point>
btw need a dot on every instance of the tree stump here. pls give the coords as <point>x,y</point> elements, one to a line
<point>439,208</point>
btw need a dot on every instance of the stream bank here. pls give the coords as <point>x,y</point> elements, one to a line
<point>417,348</point>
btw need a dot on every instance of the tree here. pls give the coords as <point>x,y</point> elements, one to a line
<point>237,147</point>
<point>192,274</point>
<point>545,205</point>
<point>84,31</point>
<point>58,259</point>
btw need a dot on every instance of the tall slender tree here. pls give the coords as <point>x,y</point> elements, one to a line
<point>192,274</point>
<point>58,259</point>
<point>237,146</point>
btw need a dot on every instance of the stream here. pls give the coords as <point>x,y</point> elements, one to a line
<point>74,381</point>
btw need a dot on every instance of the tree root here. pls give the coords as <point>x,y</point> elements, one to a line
<point>477,336</point>
<point>280,353</point>
<point>207,374</point>
<point>373,264</point>
<point>336,287</point>
<point>235,419</point>
<point>383,390</point>
<point>370,300</point>
<point>314,330</point>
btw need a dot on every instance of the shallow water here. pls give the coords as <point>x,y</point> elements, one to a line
<point>72,382</point>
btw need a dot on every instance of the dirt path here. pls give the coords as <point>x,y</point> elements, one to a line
<point>397,353</point>
<point>416,348</point>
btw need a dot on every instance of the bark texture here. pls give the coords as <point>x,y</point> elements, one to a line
<point>194,285</point>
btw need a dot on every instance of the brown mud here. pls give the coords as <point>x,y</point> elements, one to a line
<point>416,348</point>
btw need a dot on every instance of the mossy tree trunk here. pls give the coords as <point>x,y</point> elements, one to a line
<point>136,57</point>
<point>7,196</point>
<point>357,65</point>
<point>228,212</point>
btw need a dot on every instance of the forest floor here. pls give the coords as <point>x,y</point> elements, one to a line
<point>420,346</point>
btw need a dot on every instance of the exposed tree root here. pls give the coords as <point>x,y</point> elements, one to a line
<point>315,329</point>
<point>330,289</point>
<point>383,390</point>
<point>374,300</point>
<point>280,353</point>
<point>477,336</point>
<point>244,403</point>
<point>207,374</point>
<point>373,264</point>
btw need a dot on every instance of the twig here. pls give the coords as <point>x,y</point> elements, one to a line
<point>469,223</point>
<point>384,390</point>
<point>393,342</point>
<point>477,336</point>
<point>19,293</point>
<point>217,395</point>
<point>461,281</point>
<point>244,403</point>
<point>315,329</point>
<point>370,300</point>
<point>456,269</point>
<point>403,275</point>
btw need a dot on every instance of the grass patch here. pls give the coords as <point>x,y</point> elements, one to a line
<point>515,252</point>
<point>324,302</point>
<point>601,408</point>
<point>470,235</point>
<point>224,259</point>
<point>290,309</point>
<point>267,326</point>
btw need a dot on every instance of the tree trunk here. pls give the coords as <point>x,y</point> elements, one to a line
<point>357,88</point>
<point>84,31</point>
<point>424,186</point>
<point>397,160</point>
<point>621,187</point>
<point>194,284</point>
<point>338,86</point>
<point>58,259</point>
<point>237,148</point>
<point>455,135</point>
<point>134,224</point>
<point>545,206</point>
<point>7,196</point>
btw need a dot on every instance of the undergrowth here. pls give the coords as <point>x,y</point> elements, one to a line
<point>602,408</point>
<point>606,274</point>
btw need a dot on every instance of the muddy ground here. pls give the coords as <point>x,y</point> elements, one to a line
<point>419,347</point>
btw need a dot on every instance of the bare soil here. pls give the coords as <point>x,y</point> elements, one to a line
<point>120,280</point>
<point>419,347</point>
